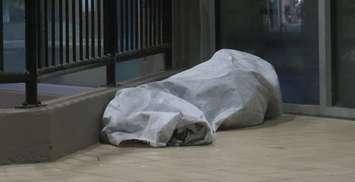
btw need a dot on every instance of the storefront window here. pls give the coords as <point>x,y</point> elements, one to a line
<point>283,32</point>
<point>344,52</point>
<point>14,35</point>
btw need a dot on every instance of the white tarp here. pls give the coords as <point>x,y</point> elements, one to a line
<point>233,89</point>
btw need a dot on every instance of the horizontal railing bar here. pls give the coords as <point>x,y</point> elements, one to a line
<point>126,56</point>
<point>74,68</point>
<point>84,62</point>
<point>96,62</point>
<point>149,78</point>
<point>13,77</point>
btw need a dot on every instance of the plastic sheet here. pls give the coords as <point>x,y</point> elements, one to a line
<point>231,90</point>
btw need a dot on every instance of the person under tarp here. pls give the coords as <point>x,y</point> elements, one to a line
<point>233,89</point>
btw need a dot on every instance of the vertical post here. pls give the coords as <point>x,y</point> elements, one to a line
<point>110,39</point>
<point>46,33</point>
<point>81,31</point>
<point>207,29</point>
<point>1,37</point>
<point>67,31</point>
<point>325,52</point>
<point>93,29</point>
<point>61,32</point>
<point>74,24</point>
<point>168,14</point>
<point>168,59</point>
<point>87,31</point>
<point>32,33</point>
<point>99,24</point>
<point>53,32</point>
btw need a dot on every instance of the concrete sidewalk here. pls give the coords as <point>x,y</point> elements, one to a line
<point>292,149</point>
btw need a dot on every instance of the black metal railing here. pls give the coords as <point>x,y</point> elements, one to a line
<point>1,38</point>
<point>63,36</point>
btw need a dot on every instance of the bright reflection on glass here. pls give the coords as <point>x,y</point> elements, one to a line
<point>284,16</point>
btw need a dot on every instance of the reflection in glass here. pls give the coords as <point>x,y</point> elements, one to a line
<point>14,35</point>
<point>283,32</point>
<point>284,16</point>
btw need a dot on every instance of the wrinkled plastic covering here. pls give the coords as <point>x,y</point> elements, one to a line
<point>233,89</point>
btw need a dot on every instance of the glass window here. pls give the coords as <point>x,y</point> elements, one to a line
<point>283,32</point>
<point>344,46</point>
<point>14,35</point>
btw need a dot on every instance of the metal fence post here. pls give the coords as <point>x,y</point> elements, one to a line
<point>32,33</point>
<point>1,37</point>
<point>168,59</point>
<point>168,18</point>
<point>110,38</point>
